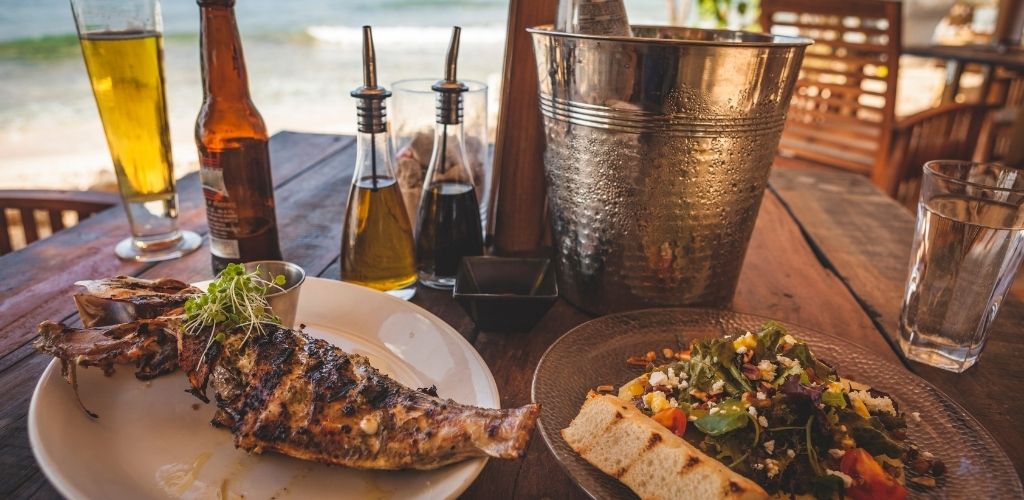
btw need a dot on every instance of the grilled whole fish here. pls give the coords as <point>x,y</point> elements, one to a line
<point>123,299</point>
<point>286,392</point>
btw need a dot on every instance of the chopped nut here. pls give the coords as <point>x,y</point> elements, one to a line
<point>605,388</point>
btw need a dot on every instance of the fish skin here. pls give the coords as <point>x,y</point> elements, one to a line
<point>290,393</point>
<point>124,299</point>
<point>150,345</point>
<point>286,392</point>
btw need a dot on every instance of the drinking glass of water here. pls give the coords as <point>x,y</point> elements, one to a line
<point>968,246</point>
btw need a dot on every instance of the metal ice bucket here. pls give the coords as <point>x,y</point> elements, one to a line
<point>657,157</point>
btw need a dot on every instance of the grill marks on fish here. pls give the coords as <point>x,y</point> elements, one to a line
<point>305,398</point>
<point>283,391</point>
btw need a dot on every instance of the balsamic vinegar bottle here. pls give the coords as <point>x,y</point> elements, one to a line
<point>376,241</point>
<point>448,223</point>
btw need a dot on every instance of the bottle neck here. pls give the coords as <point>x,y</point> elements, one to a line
<point>374,168</point>
<point>224,75</point>
<point>448,158</point>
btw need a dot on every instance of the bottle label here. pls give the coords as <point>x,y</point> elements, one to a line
<point>221,209</point>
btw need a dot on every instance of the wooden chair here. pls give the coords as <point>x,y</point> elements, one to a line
<point>844,101</point>
<point>54,204</point>
<point>948,132</point>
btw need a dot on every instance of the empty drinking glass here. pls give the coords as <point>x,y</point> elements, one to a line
<point>968,246</point>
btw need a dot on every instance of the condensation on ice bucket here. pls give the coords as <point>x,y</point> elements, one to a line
<point>657,156</point>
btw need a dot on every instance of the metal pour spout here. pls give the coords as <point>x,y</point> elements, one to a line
<point>370,109</point>
<point>450,89</point>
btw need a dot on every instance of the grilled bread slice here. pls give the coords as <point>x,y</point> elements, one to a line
<point>615,437</point>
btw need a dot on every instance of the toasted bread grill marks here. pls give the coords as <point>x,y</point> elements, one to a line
<point>647,457</point>
<point>653,440</point>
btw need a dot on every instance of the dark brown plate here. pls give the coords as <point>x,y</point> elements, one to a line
<point>595,352</point>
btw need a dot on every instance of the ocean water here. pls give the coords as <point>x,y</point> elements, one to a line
<point>303,58</point>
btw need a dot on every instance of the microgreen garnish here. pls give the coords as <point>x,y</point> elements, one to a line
<point>235,301</point>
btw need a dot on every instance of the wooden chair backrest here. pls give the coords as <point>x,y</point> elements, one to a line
<point>948,132</point>
<point>844,102</point>
<point>52,206</point>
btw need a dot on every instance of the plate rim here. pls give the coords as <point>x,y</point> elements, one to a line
<point>551,449</point>
<point>69,490</point>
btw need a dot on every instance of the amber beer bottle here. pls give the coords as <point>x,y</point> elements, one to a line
<point>234,162</point>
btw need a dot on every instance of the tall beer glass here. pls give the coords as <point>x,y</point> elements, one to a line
<point>122,44</point>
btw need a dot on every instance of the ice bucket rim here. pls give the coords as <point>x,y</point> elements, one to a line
<point>766,40</point>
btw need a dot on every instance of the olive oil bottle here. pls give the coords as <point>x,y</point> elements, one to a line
<point>376,241</point>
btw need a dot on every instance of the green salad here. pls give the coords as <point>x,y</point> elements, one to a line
<point>764,405</point>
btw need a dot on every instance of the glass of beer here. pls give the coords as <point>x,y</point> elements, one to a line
<point>968,246</point>
<point>122,44</point>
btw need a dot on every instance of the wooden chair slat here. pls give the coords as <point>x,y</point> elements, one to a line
<point>843,105</point>
<point>54,203</point>
<point>28,224</point>
<point>56,220</point>
<point>5,235</point>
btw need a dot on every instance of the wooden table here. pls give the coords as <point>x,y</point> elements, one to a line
<point>829,252</point>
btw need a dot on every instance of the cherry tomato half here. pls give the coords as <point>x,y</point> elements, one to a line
<point>870,481</point>
<point>672,418</point>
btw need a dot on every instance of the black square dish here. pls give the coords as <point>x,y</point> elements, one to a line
<point>505,294</point>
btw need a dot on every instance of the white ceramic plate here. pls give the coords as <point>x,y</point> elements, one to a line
<point>153,440</point>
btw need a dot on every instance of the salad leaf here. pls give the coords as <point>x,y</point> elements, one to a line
<point>807,360</point>
<point>726,355</point>
<point>731,415</point>
<point>876,442</point>
<point>768,338</point>
<point>827,487</point>
<point>833,399</point>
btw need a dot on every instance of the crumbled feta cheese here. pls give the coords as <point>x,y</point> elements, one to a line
<point>790,453</point>
<point>684,384</point>
<point>673,403</point>
<point>880,404</point>
<point>714,410</point>
<point>772,467</point>
<point>716,388</point>
<point>847,480</point>
<point>836,453</point>
<point>752,411</point>
<point>742,350</point>
<point>759,466</point>
<point>767,369</point>
<point>769,446</point>
<point>762,396</point>
<point>763,421</point>
<point>788,339</point>
<point>784,361</point>
<point>916,416</point>
<point>657,378</point>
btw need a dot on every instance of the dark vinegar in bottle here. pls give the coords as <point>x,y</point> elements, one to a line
<point>449,229</point>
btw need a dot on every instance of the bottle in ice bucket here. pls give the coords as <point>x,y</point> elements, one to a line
<point>448,223</point>
<point>593,17</point>
<point>376,240</point>
<point>234,162</point>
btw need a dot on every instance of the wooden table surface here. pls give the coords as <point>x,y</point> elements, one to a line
<point>829,252</point>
